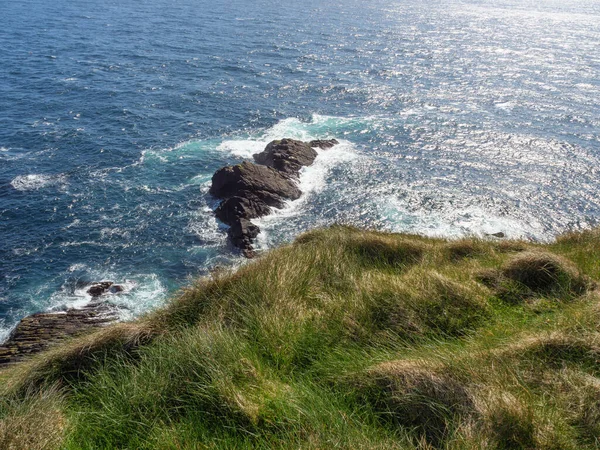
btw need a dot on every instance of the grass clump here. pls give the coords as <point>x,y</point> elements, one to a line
<point>426,303</point>
<point>346,338</point>
<point>543,272</point>
<point>74,360</point>
<point>419,396</point>
<point>379,251</point>
<point>466,248</point>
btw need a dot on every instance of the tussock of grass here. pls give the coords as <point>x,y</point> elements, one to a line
<point>346,339</point>
<point>416,395</point>
<point>543,272</point>
<point>377,251</point>
<point>559,348</point>
<point>510,421</point>
<point>424,303</point>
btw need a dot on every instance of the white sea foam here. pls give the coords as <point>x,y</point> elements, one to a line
<point>242,148</point>
<point>319,127</point>
<point>75,223</point>
<point>456,222</point>
<point>34,182</point>
<point>4,331</point>
<point>24,251</point>
<point>77,267</point>
<point>140,292</point>
<point>506,106</point>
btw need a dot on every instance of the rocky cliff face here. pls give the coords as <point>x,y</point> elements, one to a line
<point>249,190</point>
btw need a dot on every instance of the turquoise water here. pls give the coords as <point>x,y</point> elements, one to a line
<point>455,117</point>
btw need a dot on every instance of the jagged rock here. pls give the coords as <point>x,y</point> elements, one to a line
<point>231,180</point>
<point>97,289</point>
<point>323,144</point>
<point>242,233</point>
<point>234,208</point>
<point>250,190</point>
<point>116,288</point>
<point>248,205</point>
<point>36,332</point>
<point>287,155</point>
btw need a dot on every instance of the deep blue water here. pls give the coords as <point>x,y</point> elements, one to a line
<point>455,117</point>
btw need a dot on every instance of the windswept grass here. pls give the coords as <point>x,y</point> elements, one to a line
<point>345,339</point>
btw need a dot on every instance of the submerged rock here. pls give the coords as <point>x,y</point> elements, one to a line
<point>97,289</point>
<point>323,144</point>
<point>250,190</point>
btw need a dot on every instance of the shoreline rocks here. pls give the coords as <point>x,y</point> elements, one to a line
<point>251,189</point>
<point>36,332</point>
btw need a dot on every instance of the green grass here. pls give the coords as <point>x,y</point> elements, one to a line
<point>345,339</point>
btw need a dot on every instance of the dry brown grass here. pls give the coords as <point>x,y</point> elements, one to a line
<point>559,345</point>
<point>506,421</point>
<point>37,423</point>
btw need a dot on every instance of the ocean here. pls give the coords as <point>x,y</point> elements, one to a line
<point>455,117</point>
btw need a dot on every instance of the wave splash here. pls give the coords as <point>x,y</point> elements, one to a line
<point>33,182</point>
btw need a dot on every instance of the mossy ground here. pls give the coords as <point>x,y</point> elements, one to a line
<point>345,339</point>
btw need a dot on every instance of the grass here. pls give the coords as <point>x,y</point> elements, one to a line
<point>347,339</point>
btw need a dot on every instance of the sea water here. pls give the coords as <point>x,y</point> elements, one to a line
<point>455,117</point>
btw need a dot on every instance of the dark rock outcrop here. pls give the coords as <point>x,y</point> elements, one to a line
<point>232,180</point>
<point>242,233</point>
<point>97,289</point>
<point>245,205</point>
<point>36,332</point>
<point>287,155</point>
<point>250,190</point>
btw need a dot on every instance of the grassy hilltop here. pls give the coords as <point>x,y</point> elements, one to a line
<point>344,339</point>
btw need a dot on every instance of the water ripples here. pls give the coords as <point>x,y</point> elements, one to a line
<point>456,117</point>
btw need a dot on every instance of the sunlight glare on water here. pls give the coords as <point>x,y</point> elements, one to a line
<point>455,117</point>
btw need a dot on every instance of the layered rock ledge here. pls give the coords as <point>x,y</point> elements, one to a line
<point>251,189</point>
<point>38,331</point>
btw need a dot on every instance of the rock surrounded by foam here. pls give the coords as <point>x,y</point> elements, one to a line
<point>250,190</point>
